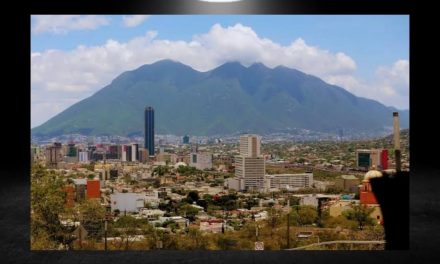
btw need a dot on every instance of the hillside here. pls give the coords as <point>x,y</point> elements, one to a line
<point>229,99</point>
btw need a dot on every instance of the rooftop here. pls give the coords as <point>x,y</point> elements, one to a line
<point>349,177</point>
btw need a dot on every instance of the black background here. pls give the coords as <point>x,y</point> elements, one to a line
<point>15,126</point>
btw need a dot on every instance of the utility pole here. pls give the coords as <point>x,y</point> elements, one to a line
<point>256,232</point>
<point>105,234</point>
<point>80,236</point>
<point>288,230</point>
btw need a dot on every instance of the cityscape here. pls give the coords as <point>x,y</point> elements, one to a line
<point>226,146</point>
<point>244,195</point>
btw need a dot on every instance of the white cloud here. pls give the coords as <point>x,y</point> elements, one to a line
<point>80,72</point>
<point>134,20</point>
<point>61,24</point>
<point>389,86</point>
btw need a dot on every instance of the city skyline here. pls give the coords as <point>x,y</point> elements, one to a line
<point>351,51</point>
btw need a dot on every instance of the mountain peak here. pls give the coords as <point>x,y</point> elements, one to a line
<point>259,65</point>
<point>230,98</point>
<point>231,64</point>
<point>229,69</point>
<point>169,63</point>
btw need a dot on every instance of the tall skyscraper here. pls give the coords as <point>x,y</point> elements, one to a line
<point>250,145</point>
<point>186,139</point>
<point>149,130</point>
<point>249,165</point>
<point>134,152</point>
<point>54,154</point>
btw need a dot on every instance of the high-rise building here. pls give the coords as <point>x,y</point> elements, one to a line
<point>249,165</point>
<point>250,145</point>
<point>143,155</point>
<point>83,156</point>
<point>123,153</point>
<point>135,152</point>
<point>128,151</point>
<point>149,130</point>
<point>186,139</point>
<point>113,152</point>
<point>372,159</point>
<point>71,150</point>
<point>54,154</point>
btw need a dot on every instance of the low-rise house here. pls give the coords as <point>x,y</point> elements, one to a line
<point>126,202</point>
<point>212,225</point>
<point>151,214</point>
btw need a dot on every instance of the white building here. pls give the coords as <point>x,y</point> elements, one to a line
<point>151,214</point>
<point>288,181</point>
<point>250,145</point>
<point>249,165</point>
<point>130,202</point>
<point>152,198</point>
<point>263,215</point>
<point>311,200</point>
<point>123,154</point>
<point>201,160</point>
<point>235,183</point>
<point>134,152</point>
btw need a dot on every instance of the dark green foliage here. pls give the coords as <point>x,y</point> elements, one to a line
<point>268,100</point>
<point>193,195</point>
<point>161,170</point>
<point>226,202</point>
<point>187,170</point>
<point>361,214</point>
<point>304,215</point>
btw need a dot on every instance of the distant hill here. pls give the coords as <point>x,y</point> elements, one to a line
<point>226,100</point>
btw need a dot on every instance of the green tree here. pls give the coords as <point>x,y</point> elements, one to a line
<point>361,214</point>
<point>189,212</point>
<point>47,203</point>
<point>304,215</point>
<point>193,196</point>
<point>92,216</point>
<point>129,227</point>
<point>160,170</point>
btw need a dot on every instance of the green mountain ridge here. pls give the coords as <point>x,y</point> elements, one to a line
<point>229,99</point>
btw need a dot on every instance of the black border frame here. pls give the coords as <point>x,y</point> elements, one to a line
<point>425,173</point>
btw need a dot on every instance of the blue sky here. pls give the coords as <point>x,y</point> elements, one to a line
<point>367,55</point>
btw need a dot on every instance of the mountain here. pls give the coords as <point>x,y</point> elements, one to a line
<point>229,99</point>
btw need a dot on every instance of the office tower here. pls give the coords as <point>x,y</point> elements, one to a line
<point>250,145</point>
<point>83,156</point>
<point>124,153</point>
<point>149,130</point>
<point>143,155</point>
<point>54,154</point>
<point>186,139</point>
<point>396,130</point>
<point>135,152</point>
<point>372,159</point>
<point>71,150</point>
<point>128,151</point>
<point>249,165</point>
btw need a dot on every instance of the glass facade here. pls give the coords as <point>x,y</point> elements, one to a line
<point>149,130</point>
<point>364,160</point>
